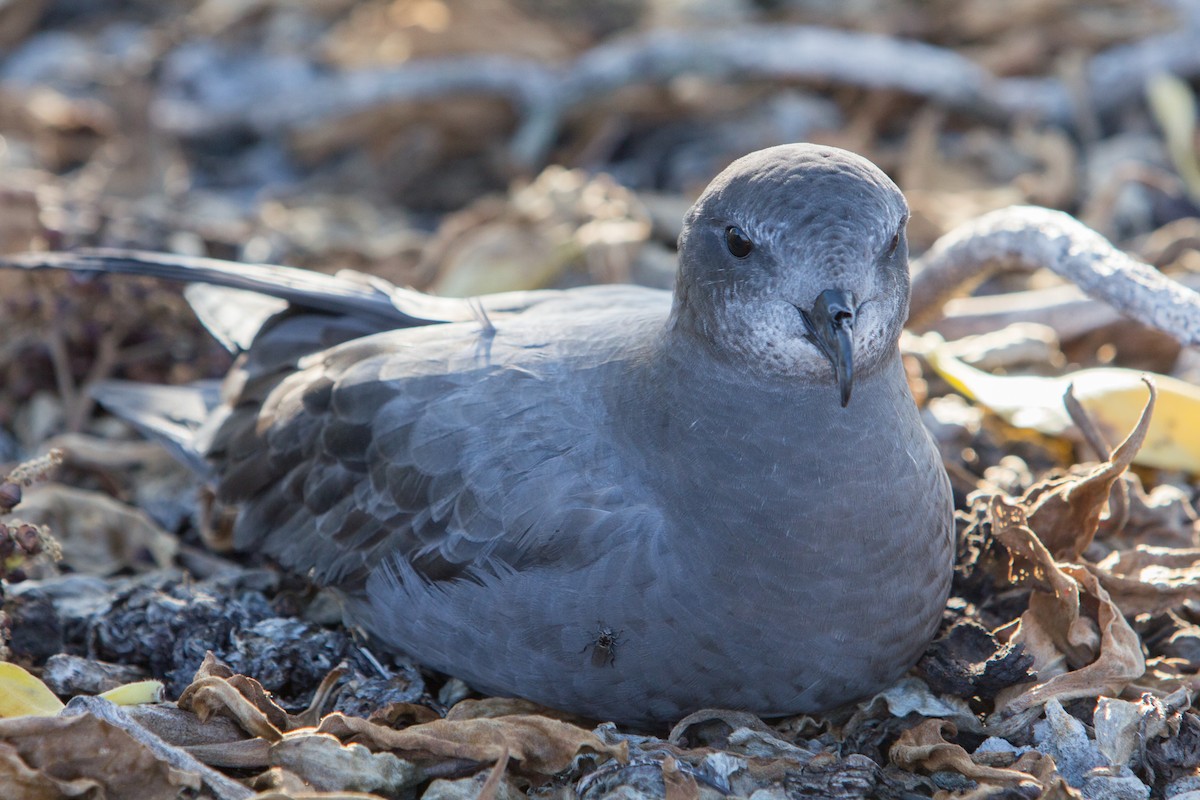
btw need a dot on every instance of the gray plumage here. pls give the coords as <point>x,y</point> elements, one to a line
<point>607,500</point>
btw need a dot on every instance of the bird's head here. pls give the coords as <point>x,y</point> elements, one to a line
<point>794,263</point>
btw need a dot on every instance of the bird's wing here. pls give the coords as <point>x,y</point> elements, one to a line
<point>366,297</point>
<point>461,448</point>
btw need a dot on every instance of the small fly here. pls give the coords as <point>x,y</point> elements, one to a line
<point>604,647</point>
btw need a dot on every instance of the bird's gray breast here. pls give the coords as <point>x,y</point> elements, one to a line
<point>809,545</point>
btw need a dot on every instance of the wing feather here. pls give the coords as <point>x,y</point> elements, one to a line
<point>419,444</point>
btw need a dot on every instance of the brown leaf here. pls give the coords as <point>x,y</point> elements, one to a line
<point>1081,644</point>
<point>492,784</point>
<point>679,785</point>
<point>217,690</point>
<point>28,783</point>
<point>563,220</point>
<point>1065,512</point>
<point>74,755</point>
<point>540,745</point>
<point>1149,580</point>
<point>1045,771</point>
<point>502,707</point>
<point>401,715</point>
<point>1118,662</point>
<point>209,696</point>
<point>925,747</point>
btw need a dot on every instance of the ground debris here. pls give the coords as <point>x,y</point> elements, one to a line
<point>969,662</point>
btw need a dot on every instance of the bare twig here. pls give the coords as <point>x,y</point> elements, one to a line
<point>60,357</point>
<point>1029,238</point>
<point>108,350</point>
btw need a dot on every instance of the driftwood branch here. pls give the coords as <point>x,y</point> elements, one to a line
<point>1029,238</point>
<point>1066,309</point>
<point>543,95</point>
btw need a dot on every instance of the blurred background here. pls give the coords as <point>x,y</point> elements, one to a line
<point>468,146</point>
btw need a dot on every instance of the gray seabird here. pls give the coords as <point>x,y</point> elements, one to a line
<point>609,500</point>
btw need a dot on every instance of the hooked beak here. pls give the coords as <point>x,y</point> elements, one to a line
<point>830,324</point>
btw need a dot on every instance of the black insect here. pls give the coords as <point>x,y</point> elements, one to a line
<point>604,647</point>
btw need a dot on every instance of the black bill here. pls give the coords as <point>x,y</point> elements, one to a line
<point>830,324</point>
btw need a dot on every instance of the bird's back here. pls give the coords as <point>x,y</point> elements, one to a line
<point>459,447</point>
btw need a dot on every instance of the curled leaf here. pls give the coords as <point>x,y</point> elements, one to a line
<point>925,747</point>
<point>137,693</point>
<point>1081,644</point>
<point>1150,580</point>
<point>1066,512</point>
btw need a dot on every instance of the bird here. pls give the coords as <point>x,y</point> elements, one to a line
<point>622,502</point>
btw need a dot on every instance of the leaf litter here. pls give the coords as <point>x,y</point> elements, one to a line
<point>1069,654</point>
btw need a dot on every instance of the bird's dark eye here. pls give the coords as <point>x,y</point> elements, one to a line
<point>896,237</point>
<point>737,242</point>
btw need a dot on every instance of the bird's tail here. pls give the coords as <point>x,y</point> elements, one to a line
<point>172,415</point>
<point>347,293</point>
<point>286,312</point>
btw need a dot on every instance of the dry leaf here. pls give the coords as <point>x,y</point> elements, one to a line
<point>491,786</point>
<point>209,696</point>
<point>1149,580</point>
<point>81,754</point>
<point>23,695</point>
<point>500,707</point>
<point>1062,631</point>
<point>1066,512</point>
<point>23,781</point>
<point>1114,397</point>
<point>401,715</point>
<point>925,747</point>
<point>539,744</point>
<point>679,785</point>
<point>564,219</point>
<point>326,764</point>
<point>216,690</point>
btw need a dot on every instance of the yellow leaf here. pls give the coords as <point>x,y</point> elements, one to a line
<point>1173,105</point>
<point>23,695</point>
<point>1112,396</point>
<point>133,694</point>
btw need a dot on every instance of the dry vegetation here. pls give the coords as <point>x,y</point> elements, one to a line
<point>466,146</point>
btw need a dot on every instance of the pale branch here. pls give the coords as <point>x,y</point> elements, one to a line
<point>1029,238</point>
<point>543,95</point>
<point>1066,309</point>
